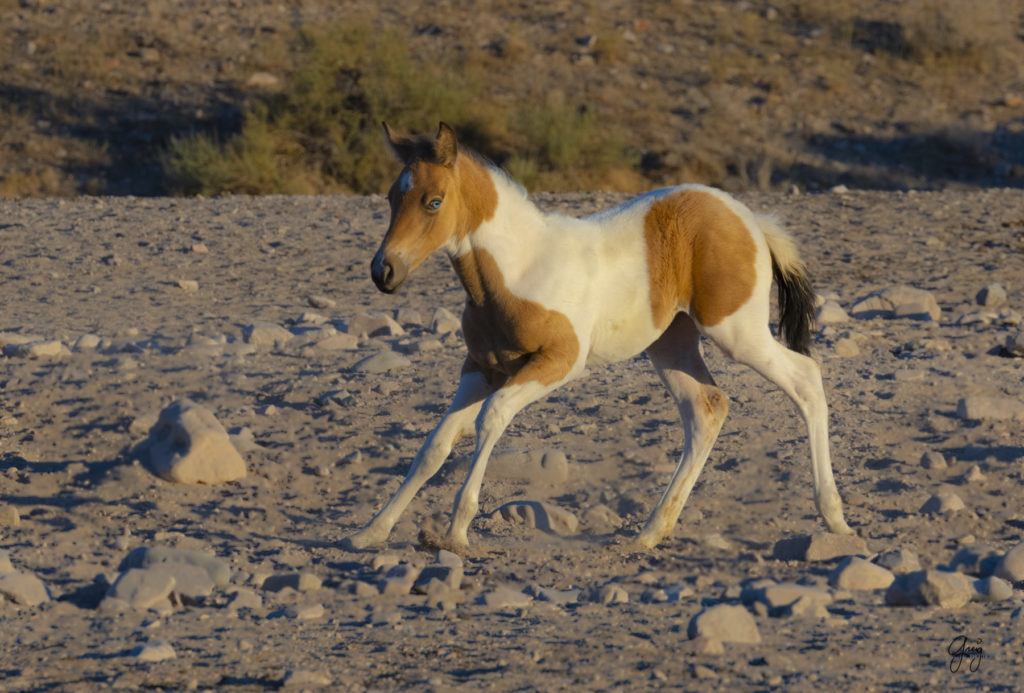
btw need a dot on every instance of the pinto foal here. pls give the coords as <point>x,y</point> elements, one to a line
<point>548,295</point>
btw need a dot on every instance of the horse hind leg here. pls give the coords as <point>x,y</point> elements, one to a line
<point>749,341</point>
<point>703,407</point>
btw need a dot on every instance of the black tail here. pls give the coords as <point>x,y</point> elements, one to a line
<point>796,307</point>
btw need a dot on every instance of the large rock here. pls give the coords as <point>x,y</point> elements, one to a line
<point>933,587</point>
<point>725,623</point>
<point>143,588</point>
<point>979,407</point>
<point>855,573</point>
<point>189,446</point>
<point>542,516</point>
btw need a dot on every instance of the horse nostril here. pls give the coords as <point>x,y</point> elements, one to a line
<point>389,273</point>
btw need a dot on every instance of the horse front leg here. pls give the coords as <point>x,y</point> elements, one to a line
<point>473,389</point>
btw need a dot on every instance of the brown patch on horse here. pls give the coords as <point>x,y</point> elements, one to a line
<point>699,254</point>
<point>504,333</point>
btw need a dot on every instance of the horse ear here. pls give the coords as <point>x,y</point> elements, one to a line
<point>402,147</point>
<point>446,147</point>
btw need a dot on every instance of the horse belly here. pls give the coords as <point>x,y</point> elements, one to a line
<point>622,336</point>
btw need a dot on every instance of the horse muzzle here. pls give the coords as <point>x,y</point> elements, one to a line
<point>387,273</point>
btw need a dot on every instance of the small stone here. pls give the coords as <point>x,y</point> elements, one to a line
<point>559,597</point>
<point>991,589</point>
<point>847,348</point>
<point>385,560</point>
<point>788,599</point>
<point>373,325</point>
<point>822,546</point>
<point>444,322</point>
<point>306,678</point>
<point>991,296</point>
<point>400,579</point>
<point>1011,566</point>
<point>978,407</point>
<point>188,285</point>
<point>382,362</point>
<point>266,334</point>
<point>189,446</point>
<point>839,190</point>
<point>87,342</point>
<point>143,588</point>
<point>505,598</point>
<point>409,316</point>
<point>932,587</point>
<point>726,623</point>
<point>153,651</point>
<point>9,516</point>
<point>246,599</point>
<point>337,342</point>
<point>944,502</point>
<point>974,475</point>
<point>831,313</point>
<point>305,612</point>
<point>449,574</point>
<point>47,349</point>
<point>899,301</point>
<point>933,460</point>
<point>5,563</point>
<point>899,561</point>
<point>547,466</point>
<point>855,573</point>
<point>23,588</point>
<point>218,569</point>
<point>539,515</point>
<point>612,594</point>
<point>302,582</point>
<point>262,80</point>
<point>321,302</point>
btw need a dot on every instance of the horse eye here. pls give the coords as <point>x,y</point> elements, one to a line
<point>434,204</point>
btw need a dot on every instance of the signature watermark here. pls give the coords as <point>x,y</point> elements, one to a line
<point>963,648</point>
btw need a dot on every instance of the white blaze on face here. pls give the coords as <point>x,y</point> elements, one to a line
<point>405,182</point>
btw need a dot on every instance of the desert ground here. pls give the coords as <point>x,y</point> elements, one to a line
<point>116,307</point>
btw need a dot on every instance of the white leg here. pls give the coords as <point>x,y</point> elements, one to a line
<point>494,418</point>
<point>800,378</point>
<point>676,357</point>
<point>473,389</point>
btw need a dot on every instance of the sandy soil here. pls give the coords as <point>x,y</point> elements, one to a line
<point>112,267</point>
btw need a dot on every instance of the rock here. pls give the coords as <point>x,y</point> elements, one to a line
<point>373,325</point>
<point>822,546</point>
<point>189,446</point>
<point>703,645</point>
<point>990,589</point>
<point>547,467</point>
<point>266,334</point>
<point>302,582</point>
<point>1011,566</point>
<point>305,612</point>
<point>505,598</point>
<point>725,623</point>
<point>9,516</point>
<point>306,678</point>
<point>409,316</point>
<point>830,313</point>
<point>942,503</point>
<point>1014,345</point>
<point>899,561</point>
<point>400,579</point>
<point>978,407</point>
<point>539,515</point>
<point>855,573</point>
<point>337,342</point>
<point>153,651</point>
<point>898,301</point>
<point>991,296</point>
<point>87,342</point>
<point>321,302</point>
<point>787,599</point>
<point>262,80</point>
<point>246,599</point>
<point>933,460</point>
<point>559,597</point>
<point>601,519</point>
<point>217,569</point>
<point>975,559</point>
<point>931,587</point>
<point>143,588</point>
<point>382,362</point>
<point>46,349</point>
<point>846,348</point>
<point>188,285</point>
<point>611,594</point>
<point>447,568</point>
<point>23,588</point>
<point>5,563</point>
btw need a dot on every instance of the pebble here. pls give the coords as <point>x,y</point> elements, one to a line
<point>266,334</point>
<point>933,460</point>
<point>929,587</point>
<point>1011,566</point>
<point>216,568</point>
<point>855,573</point>
<point>548,466</point>
<point>539,515</point>
<point>23,588</point>
<point>306,678</point>
<point>153,651</point>
<point>143,588</point>
<point>830,313</point>
<point>302,582</point>
<point>991,589</point>
<point>822,546</point>
<point>991,296</point>
<point>9,516</point>
<point>942,503</point>
<point>505,598</point>
<point>978,407</point>
<point>188,445</point>
<point>382,362</point>
<point>725,623</point>
<point>899,561</point>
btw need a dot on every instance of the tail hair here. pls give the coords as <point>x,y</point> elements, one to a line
<point>796,297</point>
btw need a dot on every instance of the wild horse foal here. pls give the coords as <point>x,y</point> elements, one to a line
<point>548,295</point>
